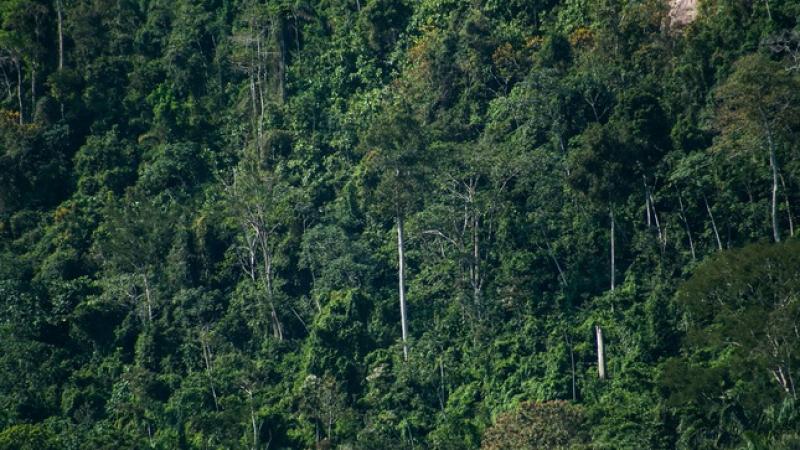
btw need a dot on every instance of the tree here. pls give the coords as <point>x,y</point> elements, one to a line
<point>324,403</point>
<point>599,171</point>
<point>739,357</point>
<point>758,109</point>
<point>261,205</point>
<point>130,245</point>
<point>395,147</point>
<point>556,425</point>
<point>21,32</point>
<point>27,437</point>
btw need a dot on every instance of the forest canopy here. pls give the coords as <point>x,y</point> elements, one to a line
<point>372,224</point>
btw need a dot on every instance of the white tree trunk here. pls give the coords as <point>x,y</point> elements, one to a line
<point>147,297</point>
<point>613,251</point>
<point>773,162</point>
<point>206,348</point>
<point>773,165</point>
<point>60,17</point>
<point>601,356</point>
<point>686,224</point>
<point>713,223</point>
<point>401,285</point>
<point>788,206</point>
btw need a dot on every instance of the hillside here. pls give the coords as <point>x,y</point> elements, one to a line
<point>410,224</point>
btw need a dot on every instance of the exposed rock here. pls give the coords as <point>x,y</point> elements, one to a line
<point>682,12</point>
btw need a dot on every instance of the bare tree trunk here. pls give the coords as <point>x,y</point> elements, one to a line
<point>477,282</point>
<point>253,101</point>
<point>553,257</point>
<point>713,223</point>
<point>788,207</point>
<point>662,235</point>
<point>774,210</point>
<point>266,255</point>
<point>401,284</point>
<point>60,16</point>
<point>33,92</point>
<point>686,224</point>
<point>147,298</point>
<point>260,81</point>
<point>207,359</point>
<point>281,38</point>
<point>572,366</point>
<point>773,164</point>
<point>648,217</point>
<point>19,89</point>
<point>613,251</point>
<point>601,356</point>
<point>253,421</point>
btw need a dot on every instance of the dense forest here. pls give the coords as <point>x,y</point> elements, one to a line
<point>410,224</point>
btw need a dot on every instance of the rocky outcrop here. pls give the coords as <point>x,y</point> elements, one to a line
<point>682,12</point>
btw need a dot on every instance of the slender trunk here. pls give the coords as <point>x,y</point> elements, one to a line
<point>207,358</point>
<point>555,261</point>
<point>147,298</point>
<point>647,203</point>
<point>401,284</point>
<point>315,297</point>
<point>260,85</point>
<point>662,235</point>
<point>601,357</point>
<point>713,223</point>
<point>60,17</point>
<point>253,421</point>
<point>686,224</point>
<point>277,327</point>
<point>773,164</point>
<point>613,251</point>
<point>33,92</point>
<point>19,90</point>
<point>281,37</point>
<point>253,97</point>
<point>331,416</point>
<point>441,385</point>
<point>774,210</point>
<point>572,366</point>
<point>788,207</point>
<point>476,266</point>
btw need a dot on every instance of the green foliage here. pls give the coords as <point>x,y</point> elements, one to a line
<point>741,309</point>
<point>27,437</point>
<point>199,203</point>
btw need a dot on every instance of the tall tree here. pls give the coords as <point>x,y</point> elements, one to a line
<point>260,204</point>
<point>396,146</point>
<point>758,110</point>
